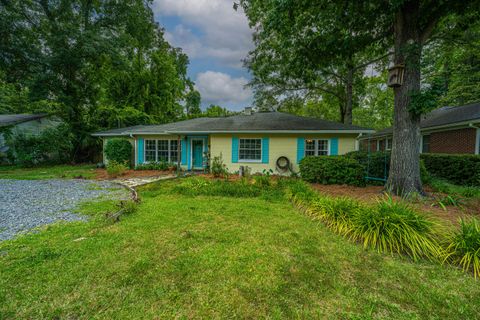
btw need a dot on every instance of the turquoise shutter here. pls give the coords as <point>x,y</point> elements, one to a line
<point>300,148</point>
<point>140,151</point>
<point>234,150</point>
<point>265,149</point>
<point>334,146</point>
<point>184,151</point>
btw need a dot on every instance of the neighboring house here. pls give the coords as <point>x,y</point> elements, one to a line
<point>256,140</point>
<point>28,124</point>
<point>444,130</point>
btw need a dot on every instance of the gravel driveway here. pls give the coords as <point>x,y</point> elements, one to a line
<point>26,204</point>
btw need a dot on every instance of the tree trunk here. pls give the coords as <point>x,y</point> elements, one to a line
<point>347,118</point>
<point>404,178</point>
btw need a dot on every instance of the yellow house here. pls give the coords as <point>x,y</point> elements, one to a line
<point>258,141</point>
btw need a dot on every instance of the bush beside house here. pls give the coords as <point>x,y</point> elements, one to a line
<point>51,146</point>
<point>332,170</point>
<point>458,169</point>
<point>118,150</point>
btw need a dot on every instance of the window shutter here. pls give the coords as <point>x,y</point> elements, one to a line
<point>265,149</point>
<point>334,146</point>
<point>184,152</point>
<point>140,151</point>
<point>234,150</point>
<point>300,148</point>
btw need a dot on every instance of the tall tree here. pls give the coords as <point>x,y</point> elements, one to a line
<point>192,103</point>
<point>406,25</point>
<point>88,58</point>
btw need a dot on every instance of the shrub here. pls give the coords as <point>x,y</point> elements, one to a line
<point>374,163</point>
<point>118,150</point>
<point>332,170</point>
<point>464,247</point>
<point>162,166</point>
<point>32,150</point>
<point>458,169</point>
<point>218,168</point>
<point>394,227</point>
<point>116,169</point>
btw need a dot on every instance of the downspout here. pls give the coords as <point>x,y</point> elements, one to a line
<point>357,142</point>
<point>477,140</point>
<point>134,151</point>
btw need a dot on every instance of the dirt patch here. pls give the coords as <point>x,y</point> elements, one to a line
<point>101,174</point>
<point>428,205</point>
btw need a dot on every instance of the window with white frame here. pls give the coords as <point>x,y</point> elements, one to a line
<point>150,150</point>
<point>161,150</point>
<point>316,147</point>
<point>425,144</point>
<point>389,144</point>
<point>250,150</point>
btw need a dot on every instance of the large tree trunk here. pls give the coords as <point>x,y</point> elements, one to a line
<point>347,118</point>
<point>404,178</point>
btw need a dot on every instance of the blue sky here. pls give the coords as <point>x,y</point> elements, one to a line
<point>216,38</point>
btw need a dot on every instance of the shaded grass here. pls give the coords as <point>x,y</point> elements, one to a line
<point>54,172</point>
<point>443,186</point>
<point>184,256</point>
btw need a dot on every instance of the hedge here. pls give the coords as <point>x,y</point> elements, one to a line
<point>457,169</point>
<point>119,150</point>
<point>374,163</point>
<point>332,170</point>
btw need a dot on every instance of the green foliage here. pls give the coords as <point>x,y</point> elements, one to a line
<point>218,168</point>
<point>443,186</point>
<point>464,247</point>
<point>394,227</point>
<point>128,206</point>
<point>214,111</point>
<point>118,150</point>
<point>377,164</point>
<point>48,172</point>
<point>192,104</point>
<point>95,64</point>
<point>457,169</point>
<point>390,226</point>
<point>51,146</point>
<point>332,170</point>
<point>116,169</point>
<point>162,166</point>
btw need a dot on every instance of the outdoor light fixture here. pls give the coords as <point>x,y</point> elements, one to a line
<point>395,75</point>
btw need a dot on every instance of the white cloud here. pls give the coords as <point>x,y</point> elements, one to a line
<point>225,34</point>
<point>220,88</point>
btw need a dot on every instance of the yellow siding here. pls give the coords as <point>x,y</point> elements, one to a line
<point>280,145</point>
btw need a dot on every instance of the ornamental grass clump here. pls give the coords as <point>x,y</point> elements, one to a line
<point>336,213</point>
<point>394,227</point>
<point>464,247</point>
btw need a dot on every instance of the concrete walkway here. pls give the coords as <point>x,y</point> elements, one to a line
<point>135,182</point>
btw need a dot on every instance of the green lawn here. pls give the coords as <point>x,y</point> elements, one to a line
<point>186,257</point>
<point>53,172</point>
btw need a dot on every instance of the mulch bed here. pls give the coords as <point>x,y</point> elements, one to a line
<point>371,194</point>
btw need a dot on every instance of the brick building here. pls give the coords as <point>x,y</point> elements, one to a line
<point>444,130</point>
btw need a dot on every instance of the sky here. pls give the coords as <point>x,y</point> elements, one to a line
<point>216,38</point>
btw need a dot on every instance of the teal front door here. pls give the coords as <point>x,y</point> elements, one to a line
<point>197,148</point>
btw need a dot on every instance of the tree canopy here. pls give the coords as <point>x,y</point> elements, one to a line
<point>95,64</point>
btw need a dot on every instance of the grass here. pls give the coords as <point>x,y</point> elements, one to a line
<point>212,257</point>
<point>52,172</point>
<point>446,187</point>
